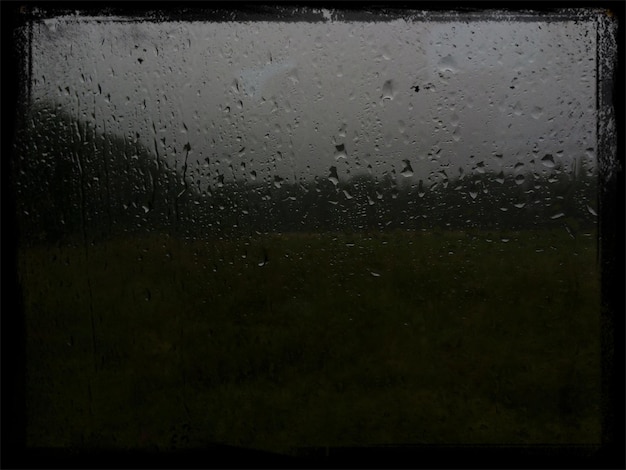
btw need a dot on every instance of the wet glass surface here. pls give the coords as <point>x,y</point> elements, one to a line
<point>279,235</point>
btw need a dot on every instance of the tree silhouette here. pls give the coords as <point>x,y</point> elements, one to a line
<point>75,182</point>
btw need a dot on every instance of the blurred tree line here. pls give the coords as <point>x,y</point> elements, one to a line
<point>77,185</point>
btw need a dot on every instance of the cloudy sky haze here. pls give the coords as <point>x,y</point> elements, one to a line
<point>295,98</point>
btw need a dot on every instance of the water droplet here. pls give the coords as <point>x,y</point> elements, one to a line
<point>537,112</point>
<point>375,274</point>
<point>548,161</point>
<point>407,171</point>
<point>342,130</point>
<point>591,211</point>
<point>387,93</point>
<point>340,151</point>
<point>278,181</point>
<point>420,189</point>
<point>473,194</point>
<point>558,216</point>
<point>519,179</point>
<point>265,260</point>
<point>447,64</point>
<point>333,177</point>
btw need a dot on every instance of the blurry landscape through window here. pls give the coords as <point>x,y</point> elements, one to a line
<point>323,232</point>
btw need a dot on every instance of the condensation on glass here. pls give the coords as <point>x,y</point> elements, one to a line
<point>324,232</point>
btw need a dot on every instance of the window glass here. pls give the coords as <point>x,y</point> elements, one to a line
<point>310,233</point>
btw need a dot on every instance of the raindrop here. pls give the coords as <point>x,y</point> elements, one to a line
<point>342,130</point>
<point>548,161</point>
<point>592,211</point>
<point>265,260</point>
<point>340,151</point>
<point>473,194</point>
<point>558,216</point>
<point>387,93</point>
<point>537,112</point>
<point>447,64</point>
<point>420,189</point>
<point>375,274</point>
<point>278,181</point>
<point>519,179</point>
<point>407,172</point>
<point>333,177</point>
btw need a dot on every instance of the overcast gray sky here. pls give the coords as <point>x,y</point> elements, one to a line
<point>290,94</point>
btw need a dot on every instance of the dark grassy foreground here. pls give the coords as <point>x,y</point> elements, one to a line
<point>298,340</point>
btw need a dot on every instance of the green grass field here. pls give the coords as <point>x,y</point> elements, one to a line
<point>283,341</point>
